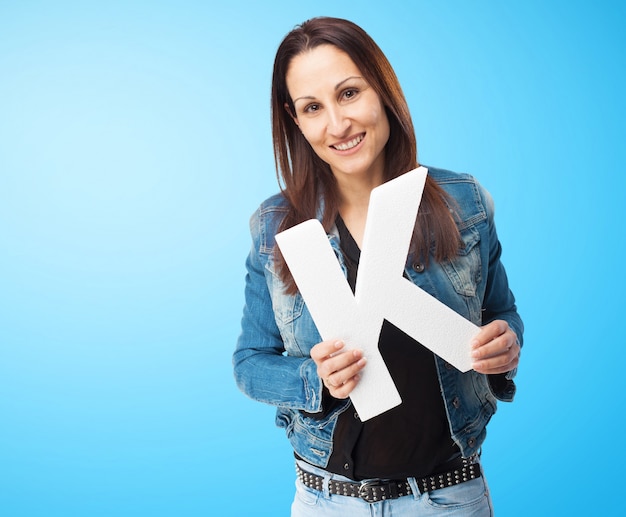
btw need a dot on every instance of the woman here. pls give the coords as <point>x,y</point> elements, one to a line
<point>341,127</point>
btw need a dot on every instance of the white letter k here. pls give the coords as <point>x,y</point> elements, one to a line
<point>381,291</point>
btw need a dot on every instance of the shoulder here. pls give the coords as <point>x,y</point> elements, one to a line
<point>471,198</point>
<point>446,177</point>
<point>273,204</point>
<point>265,221</point>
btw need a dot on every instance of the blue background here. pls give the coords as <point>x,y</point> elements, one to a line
<point>135,143</point>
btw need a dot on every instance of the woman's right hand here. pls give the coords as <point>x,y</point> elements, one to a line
<point>339,369</point>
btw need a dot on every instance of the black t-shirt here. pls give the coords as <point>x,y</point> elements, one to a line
<point>412,439</point>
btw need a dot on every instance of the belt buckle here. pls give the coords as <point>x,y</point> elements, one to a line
<point>364,485</point>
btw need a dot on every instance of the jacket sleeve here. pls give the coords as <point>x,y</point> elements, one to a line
<point>262,369</point>
<point>499,302</point>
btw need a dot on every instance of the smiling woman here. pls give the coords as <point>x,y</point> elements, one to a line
<point>344,121</point>
<point>341,127</point>
<point>340,115</point>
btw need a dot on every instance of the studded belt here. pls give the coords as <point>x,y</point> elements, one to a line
<point>373,490</point>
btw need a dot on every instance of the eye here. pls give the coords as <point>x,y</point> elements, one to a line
<point>311,108</point>
<point>350,93</point>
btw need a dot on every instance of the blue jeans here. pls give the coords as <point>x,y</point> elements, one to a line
<point>469,499</point>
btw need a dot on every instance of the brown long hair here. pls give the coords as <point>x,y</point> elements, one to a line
<point>305,178</point>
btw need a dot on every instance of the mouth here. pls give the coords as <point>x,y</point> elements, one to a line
<point>346,146</point>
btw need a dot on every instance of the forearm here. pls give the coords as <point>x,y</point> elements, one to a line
<point>276,379</point>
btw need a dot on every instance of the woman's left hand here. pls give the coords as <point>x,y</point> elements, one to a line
<point>495,349</point>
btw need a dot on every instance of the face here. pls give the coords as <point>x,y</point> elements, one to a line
<point>339,114</point>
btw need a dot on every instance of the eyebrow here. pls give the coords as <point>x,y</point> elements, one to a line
<point>337,86</point>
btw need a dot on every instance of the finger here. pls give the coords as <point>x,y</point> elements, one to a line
<point>495,347</point>
<point>326,349</point>
<point>343,375</point>
<point>490,332</point>
<point>490,367</point>
<point>501,363</point>
<point>343,391</point>
<point>337,362</point>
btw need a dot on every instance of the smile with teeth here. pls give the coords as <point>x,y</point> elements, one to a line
<point>349,145</point>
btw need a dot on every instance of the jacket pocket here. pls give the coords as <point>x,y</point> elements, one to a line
<point>286,307</point>
<point>484,395</point>
<point>465,271</point>
<point>310,438</point>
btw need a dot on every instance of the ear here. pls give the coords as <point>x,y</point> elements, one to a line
<point>291,114</point>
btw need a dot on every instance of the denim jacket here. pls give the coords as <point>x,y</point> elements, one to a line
<point>272,362</point>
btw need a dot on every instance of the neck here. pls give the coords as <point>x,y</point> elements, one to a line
<point>353,206</point>
<point>354,192</point>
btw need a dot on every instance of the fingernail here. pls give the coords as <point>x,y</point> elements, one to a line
<point>362,361</point>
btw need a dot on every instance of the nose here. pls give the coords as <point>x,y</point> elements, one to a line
<point>338,122</point>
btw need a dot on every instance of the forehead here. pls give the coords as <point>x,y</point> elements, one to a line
<point>321,67</point>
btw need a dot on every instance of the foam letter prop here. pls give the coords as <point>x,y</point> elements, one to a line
<point>381,291</point>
